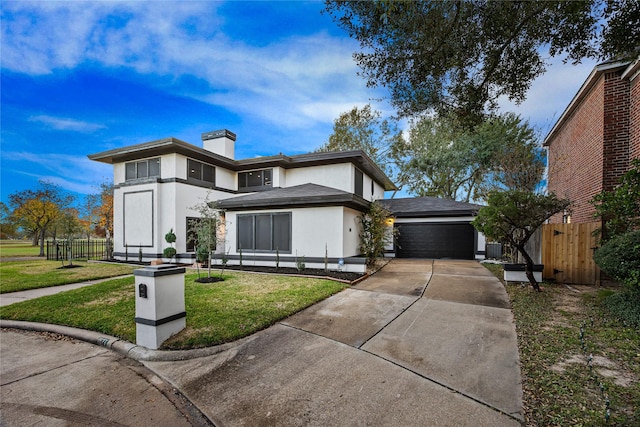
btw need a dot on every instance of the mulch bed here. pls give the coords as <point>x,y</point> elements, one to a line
<point>316,272</point>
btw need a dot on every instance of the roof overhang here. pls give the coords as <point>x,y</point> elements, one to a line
<point>174,145</point>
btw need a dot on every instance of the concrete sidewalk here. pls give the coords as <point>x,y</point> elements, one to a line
<point>419,343</point>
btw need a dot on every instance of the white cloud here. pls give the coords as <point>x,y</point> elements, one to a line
<point>71,172</point>
<point>282,79</point>
<point>59,123</point>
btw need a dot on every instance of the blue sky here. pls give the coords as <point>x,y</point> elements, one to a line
<point>83,77</point>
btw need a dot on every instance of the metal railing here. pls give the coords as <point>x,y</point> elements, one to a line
<point>58,250</point>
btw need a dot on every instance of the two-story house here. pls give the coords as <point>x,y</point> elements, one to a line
<point>287,207</point>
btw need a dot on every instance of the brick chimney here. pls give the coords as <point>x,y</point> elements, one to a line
<point>220,142</point>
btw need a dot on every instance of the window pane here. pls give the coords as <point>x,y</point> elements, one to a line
<point>142,169</point>
<point>194,169</point>
<point>282,232</point>
<point>154,167</point>
<point>359,183</point>
<point>245,232</point>
<point>207,173</point>
<point>191,235</point>
<point>242,180</point>
<point>130,171</point>
<point>263,232</point>
<point>267,177</point>
<point>254,179</point>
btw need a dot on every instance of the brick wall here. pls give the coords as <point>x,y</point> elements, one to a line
<point>616,128</point>
<point>634,119</point>
<point>576,155</point>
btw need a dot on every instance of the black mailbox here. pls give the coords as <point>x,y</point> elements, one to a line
<point>142,290</point>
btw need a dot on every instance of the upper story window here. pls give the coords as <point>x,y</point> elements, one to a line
<point>255,180</point>
<point>359,183</point>
<point>148,168</point>
<point>198,171</point>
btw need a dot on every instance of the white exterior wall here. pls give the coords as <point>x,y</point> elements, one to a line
<point>279,178</point>
<point>351,233</point>
<point>340,176</point>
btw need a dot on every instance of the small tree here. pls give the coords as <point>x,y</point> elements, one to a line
<point>375,235</point>
<point>205,229</point>
<point>70,226</point>
<point>170,252</point>
<point>513,216</point>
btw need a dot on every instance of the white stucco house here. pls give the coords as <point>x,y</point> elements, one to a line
<point>284,207</point>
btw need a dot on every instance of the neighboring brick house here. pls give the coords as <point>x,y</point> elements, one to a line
<point>595,138</point>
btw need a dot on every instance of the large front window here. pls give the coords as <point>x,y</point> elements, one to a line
<point>266,232</point>
<point>255,180</point>
<point>148,168</point>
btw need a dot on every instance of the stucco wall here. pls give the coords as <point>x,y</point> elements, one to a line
<point>338,176</point>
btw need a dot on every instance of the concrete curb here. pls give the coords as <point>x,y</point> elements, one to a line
<point>123,347</point>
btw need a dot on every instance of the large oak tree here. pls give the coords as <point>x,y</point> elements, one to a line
<point>463,55</point>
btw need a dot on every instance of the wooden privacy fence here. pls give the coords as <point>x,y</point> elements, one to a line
<point>567,253</point>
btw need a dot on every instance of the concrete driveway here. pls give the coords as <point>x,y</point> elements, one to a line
<point>419,343</point>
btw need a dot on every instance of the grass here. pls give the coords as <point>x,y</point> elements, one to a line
<point>558,330</point>
<point>18,248</point>
<point>33,274</point>
<point>216,313</point>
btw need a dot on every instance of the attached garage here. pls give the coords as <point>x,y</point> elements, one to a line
<point>434,228</point>
<point>435,240</point>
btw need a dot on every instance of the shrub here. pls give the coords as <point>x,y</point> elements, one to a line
<point>625,306</point>
<point>620,258</point>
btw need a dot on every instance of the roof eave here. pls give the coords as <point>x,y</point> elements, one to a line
<point>582,92</point>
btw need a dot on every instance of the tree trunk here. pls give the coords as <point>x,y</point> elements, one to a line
<point>528,268</point>
<point>42,232</point>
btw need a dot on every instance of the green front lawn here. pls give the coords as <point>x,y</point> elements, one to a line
<point>216,313</point>
<point>33,274</point>
<point>18,248</point>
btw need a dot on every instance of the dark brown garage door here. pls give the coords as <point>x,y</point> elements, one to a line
<point>435,240</point>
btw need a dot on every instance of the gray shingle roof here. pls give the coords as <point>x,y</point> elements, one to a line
<point>416,207</point>
<point>305,195</point>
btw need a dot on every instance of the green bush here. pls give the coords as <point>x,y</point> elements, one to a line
<point>169,252</point>
<point>620,258</point>
<point>625,306</point>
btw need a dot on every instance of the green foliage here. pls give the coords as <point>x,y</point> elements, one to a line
<point>513,216</point>
<point>169,252</point>
<point>202,254</point>
<point>37,210</point>
<point>170,237</point>
<point>204,230</point>
<point>462,56</point>
<point>375,233</point>
<point>443,158</point>
<point>625,306</point>
<point>620,258</point>
<point>364,129</point>
<point>619,208</point>
<point>300,265</point>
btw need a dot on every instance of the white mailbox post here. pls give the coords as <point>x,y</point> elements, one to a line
<point>160,311</point>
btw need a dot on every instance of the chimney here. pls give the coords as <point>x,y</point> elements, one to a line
<point>220,142</point>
